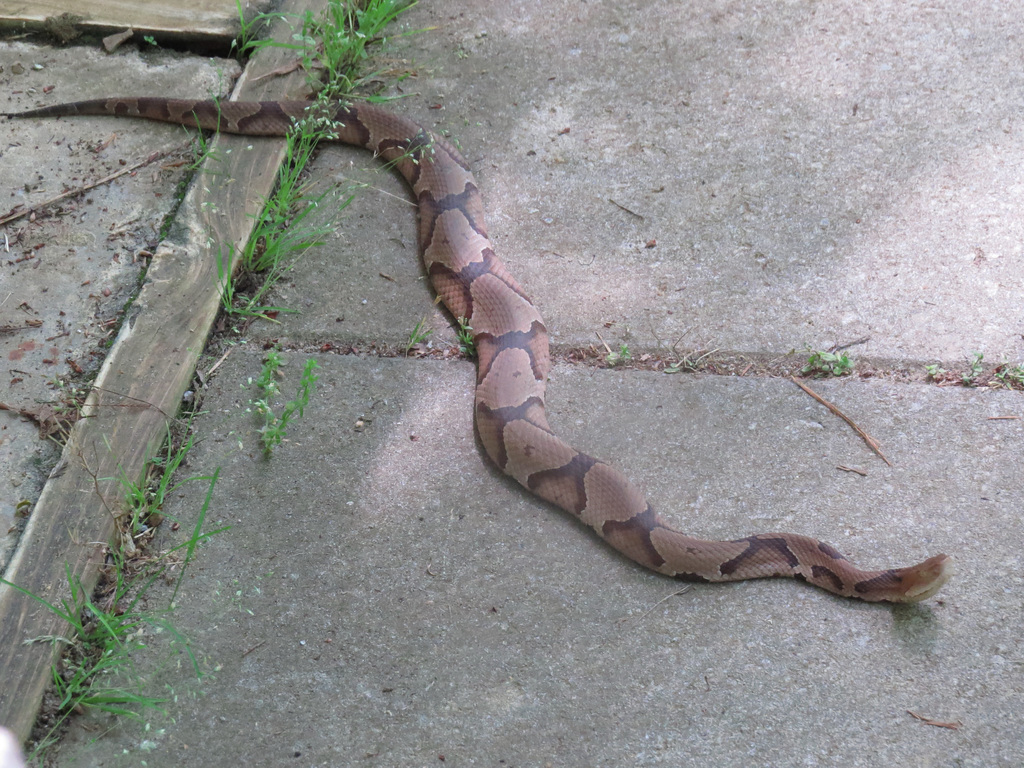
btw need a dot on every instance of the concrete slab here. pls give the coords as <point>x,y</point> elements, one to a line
<point>811,176</point>
<point>71,269</point>
<point>385,597</point>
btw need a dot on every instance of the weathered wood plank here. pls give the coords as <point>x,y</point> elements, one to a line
<point>187,18</point>
<point>137,392</point>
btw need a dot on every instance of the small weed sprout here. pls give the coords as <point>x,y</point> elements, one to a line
<point>618,358</point>
<point>821,364</point>
<point>1011,376</point>
<point>420,333</point>
<point>144,500</point>
<point>974,369</point>
<point>202,151</point>
<point>250,29</point>
<point>935,371</point>
<point>225,270</point>
<point>275,427</point>
<point>465,334</point>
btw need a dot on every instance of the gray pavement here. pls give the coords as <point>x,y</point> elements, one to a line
<point>812,175</point>
<point>387,600</point>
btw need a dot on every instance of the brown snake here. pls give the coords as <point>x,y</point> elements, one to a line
<point>512,345</point>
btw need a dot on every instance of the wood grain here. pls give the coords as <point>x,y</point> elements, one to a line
<point>137,393</point>
<point>189,20</point>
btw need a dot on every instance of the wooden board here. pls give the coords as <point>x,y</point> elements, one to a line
<point>136,394</point>
<point>179,19</point>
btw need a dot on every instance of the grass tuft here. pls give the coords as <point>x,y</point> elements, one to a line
<point>275,426</point>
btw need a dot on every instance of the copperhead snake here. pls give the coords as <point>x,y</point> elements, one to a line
<point>513,359</point>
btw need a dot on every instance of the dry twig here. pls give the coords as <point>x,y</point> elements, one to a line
<point>953,726</point>
<point>872,443</point>
<point>860,472</point>
<point>17,214</point>
<point>681,591</point>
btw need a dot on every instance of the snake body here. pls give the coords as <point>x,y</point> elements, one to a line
<point>513,359</point>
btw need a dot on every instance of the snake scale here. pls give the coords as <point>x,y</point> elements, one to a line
<point>513,359</point>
